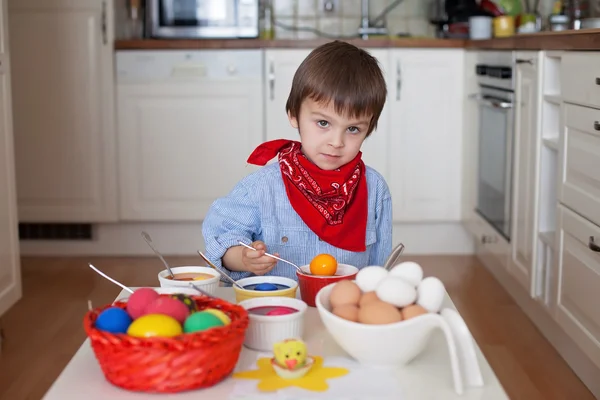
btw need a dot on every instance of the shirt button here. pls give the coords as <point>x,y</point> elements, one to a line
<point>320,240</point>
<point>284,239</point>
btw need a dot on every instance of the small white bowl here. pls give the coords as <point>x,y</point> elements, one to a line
<point>209,285</point>
<point>266,330</point>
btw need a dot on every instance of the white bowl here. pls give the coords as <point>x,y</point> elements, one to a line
<point>380,345</point>
<point>266,330</point>
<point>209,285</point>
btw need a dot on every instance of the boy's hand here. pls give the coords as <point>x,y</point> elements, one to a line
<point>255,260</point>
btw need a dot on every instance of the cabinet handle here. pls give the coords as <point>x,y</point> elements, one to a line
<point>271,80</point>
<point>593,246</point>
<point>488,239</point>
<point>398,79</point>
<point>597,125</point>
<point>103,23</point>
<point>523,61</point>
<point>597,81</point>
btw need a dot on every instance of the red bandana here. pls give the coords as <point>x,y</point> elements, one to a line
<point>334,204</point>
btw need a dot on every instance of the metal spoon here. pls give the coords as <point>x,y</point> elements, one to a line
<point>394,255</point>
<point>277,258</point>
<point>110,279</point>
<point>223,274</point>
<point>148,240</point>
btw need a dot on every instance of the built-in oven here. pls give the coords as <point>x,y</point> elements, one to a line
<point>207,19</point>
<point>496,136</point>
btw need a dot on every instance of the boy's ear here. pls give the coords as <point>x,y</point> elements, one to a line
<point>293,120</point>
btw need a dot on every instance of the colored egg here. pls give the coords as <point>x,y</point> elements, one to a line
<point>265,287</point>
<point>113,320</point>
<point>154,325</point>
<point>139,300</point>
<point>281,311</point>
<point>169,306</point>
<point>200,321</point>
<point>219,314</point>
<point>187,300</point>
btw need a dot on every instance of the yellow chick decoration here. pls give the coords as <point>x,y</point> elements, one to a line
<point>290,354</point>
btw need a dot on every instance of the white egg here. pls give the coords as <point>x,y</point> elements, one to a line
<point>369,277</point>
<point>396,291</point>
<point>410,271</point>
<point>430,294</point>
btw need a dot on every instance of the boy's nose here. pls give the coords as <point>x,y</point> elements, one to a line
<point>336,140</point>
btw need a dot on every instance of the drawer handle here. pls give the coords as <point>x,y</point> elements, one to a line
<point>593,246</point>
<point>597,125</point>
<point>486,239</point>
<point>597,81</point>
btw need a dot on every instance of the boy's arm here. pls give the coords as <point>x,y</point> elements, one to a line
<point>384,225</point>
<point>229,220</point>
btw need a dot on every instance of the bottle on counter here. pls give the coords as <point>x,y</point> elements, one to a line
<point>268,29</point>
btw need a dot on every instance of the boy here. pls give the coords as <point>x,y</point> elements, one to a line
<point>320,197</point>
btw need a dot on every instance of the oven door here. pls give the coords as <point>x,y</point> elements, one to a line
<point>494,186</point>
<point>203,18</point>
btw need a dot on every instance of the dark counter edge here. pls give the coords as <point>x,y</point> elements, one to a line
<point>570,40</point>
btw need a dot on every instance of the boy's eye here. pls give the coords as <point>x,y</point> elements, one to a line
<point>353,129</point>
<point>323,124</point>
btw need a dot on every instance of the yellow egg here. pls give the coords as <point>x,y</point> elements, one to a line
<point>219,314</point>
<point>155,325</point>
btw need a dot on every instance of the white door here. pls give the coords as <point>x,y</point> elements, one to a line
<point>62,59</point>
<point>426,104</point>
<point>10,270</point>
<point>526,150</point>
<point>187,123</point>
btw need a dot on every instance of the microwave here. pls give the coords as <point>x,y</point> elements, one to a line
<point>203,19</point>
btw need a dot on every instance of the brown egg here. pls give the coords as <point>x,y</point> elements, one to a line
<point>344,292</point>
<point>367,298</point>
<point>414,310</point>
<point>379,312</point>
<point>347,311</point>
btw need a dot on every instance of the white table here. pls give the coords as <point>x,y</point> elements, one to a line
<point>429,376</point>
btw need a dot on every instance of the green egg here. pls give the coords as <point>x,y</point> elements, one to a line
<point>200,321</point>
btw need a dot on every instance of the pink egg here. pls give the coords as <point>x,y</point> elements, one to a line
<point>139,300</point>
<point>168,306</point>
<point>281,311</point>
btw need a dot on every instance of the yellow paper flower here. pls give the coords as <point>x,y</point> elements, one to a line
<point>314,380</point>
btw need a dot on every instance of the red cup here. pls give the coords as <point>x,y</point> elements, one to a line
<point>311,284</point>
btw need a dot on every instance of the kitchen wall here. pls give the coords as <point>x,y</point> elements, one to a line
<point>306,18</point>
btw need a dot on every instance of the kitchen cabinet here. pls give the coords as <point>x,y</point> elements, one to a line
<point>65,141</point>
<point>10,270</point>
<point>525,169</point>
<point>280,67</point>
<point>578,281</point>
<point>426,101</point>
<point>187,122</point>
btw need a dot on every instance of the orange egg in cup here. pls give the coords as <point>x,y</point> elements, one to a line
<point>311,284</point>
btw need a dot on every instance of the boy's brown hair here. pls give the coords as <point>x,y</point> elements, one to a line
<point>344,74</point>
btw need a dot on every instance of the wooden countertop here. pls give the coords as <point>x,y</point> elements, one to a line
<point>588,39</point>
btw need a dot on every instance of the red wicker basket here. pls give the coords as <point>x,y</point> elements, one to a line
<point>170,365</point>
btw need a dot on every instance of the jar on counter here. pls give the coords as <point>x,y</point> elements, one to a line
<point>558,22</point>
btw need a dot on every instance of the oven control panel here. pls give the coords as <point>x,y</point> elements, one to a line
<point>494,71</point>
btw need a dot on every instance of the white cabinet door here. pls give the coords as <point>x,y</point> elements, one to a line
<point>525,167</point>
<point>62,58</point>
<point>183,144</point>
<point>10,270</point>
<point>281,65</point>
<point>426,103</point>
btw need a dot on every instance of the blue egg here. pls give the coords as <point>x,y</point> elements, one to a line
<point>113,320</point>
<point>265,287</point>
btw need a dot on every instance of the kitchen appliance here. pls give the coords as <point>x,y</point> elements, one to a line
<point>206,19</point>
<point>496,95</point>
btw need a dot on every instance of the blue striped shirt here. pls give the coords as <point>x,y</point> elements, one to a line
<point>258,209</point>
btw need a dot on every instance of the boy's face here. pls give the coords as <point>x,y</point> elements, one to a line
<point>329,140</point>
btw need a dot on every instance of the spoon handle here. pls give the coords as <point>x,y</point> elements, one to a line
<point>273,256</point>
<point>394,255</point>
<point>223,274</point>
<point>110,279</point>
<point>148,240</point>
